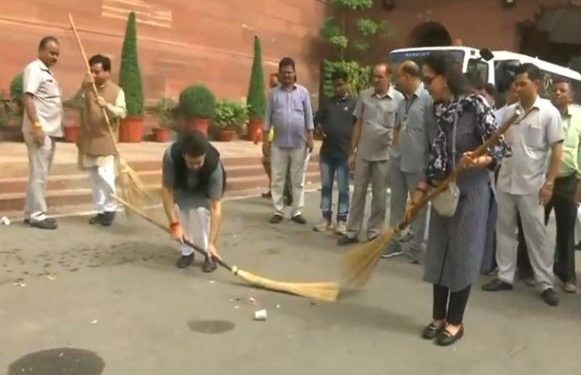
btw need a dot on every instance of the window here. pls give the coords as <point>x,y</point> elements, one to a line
<point>478,68</point>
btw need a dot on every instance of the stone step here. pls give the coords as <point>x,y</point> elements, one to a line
<point>80,180</point>
<point>67,196</point>
<point>20,169</point>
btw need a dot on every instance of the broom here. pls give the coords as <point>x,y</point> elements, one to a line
<point>324,291</point>
<point>132,187</point>
<point>359,263</point>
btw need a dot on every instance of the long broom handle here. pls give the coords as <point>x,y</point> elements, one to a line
<point>481,150</point>
<point>95,91</point>
<point>166,229</point>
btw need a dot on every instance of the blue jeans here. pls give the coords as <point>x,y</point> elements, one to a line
<point>331,167</point>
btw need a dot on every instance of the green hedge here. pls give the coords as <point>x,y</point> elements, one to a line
<point>130,73</point>
<point>256,97</point>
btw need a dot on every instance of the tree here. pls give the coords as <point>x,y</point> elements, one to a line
<point>130,73</point>
<point>351,35</point>
<point>256,97</point>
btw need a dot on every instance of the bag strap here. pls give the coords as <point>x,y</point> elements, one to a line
<point>454,141</point>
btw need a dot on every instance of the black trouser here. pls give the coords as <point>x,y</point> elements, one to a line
<point>563,201</point>
<point>450,306</point>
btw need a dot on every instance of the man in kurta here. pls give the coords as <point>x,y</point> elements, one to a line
<point>97,151</point>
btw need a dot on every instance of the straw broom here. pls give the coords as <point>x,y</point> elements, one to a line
<point>133,189</point>
<point>359,263</point>
<point>324,291</point>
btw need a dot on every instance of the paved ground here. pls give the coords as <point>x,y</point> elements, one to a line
<point>88,299</point>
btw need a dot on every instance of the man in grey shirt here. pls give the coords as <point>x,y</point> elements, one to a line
<point>370,149</point>
<point>41,124</point>
<point>289,112</point>
<point>193,182</point>
<point>408,156</point>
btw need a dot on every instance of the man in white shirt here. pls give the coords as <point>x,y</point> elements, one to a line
<point>42,123</point>
<point>525,184</point>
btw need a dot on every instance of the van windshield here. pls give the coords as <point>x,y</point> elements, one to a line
<point>418,55</point>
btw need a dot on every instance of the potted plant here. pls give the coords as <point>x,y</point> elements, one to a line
<point>131,129</point>
<point>12,111</point>
<point>256,98</point>
<point>165,113</point>
<point>230,118</point>
<point>198,105</point>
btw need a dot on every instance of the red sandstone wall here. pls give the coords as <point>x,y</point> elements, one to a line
<point>180,41</point>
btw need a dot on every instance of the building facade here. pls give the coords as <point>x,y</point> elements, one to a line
<point>180,42</point>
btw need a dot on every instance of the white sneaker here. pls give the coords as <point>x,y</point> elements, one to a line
<point>341,228</point>
<point>324,226</point>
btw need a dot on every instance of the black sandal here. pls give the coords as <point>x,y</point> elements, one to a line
<point>446,338</point>
<point>431,331</point>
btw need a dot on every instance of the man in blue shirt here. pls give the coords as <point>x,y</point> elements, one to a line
<point>288,111</point>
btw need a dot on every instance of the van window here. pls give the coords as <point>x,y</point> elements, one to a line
<point>478,68</point>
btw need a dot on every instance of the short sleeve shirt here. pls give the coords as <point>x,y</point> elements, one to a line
<point>41,83</point>
<point>194,198</point>
<point>378,114</point>
<point>530,140</point>
<point>411,122</point>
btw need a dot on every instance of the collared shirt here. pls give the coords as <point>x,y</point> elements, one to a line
<point>571,120</point>
<point>336,118</point>
<point>411,122</point>
<point>378,116</point>
<point>40,82</point>
<point>290,113</point>
<point>530,140</point>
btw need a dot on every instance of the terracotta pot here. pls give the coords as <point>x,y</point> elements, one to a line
<point>226,135</point>
<point>131,130</point>
<point>72,133</point>
<point>199,124</point>
<point>254,132</point>
<point>161,135</point>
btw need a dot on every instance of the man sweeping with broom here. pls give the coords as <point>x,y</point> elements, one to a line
<point>96,146</point>
<point>194,181</point>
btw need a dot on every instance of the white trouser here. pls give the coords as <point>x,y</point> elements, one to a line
<point>298,158</point>
<point>103,185</point>
<point>195,223</point>
<point>541,253</point>
<point>39,162</point>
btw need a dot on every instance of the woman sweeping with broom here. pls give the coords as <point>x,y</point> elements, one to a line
<point>460,121</point>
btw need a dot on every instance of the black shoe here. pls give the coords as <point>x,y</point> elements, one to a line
<point>299,219</point>
<point>445,338</point>
<point>209,265</point>
<point>550,297</point>
<point>496,285</point>
<point>275,219</point>
<point>97,219</point>
<point>346,240</point>
<point>108,218</point>
<point>185,261</point>
<point>45,224</point>
<point>50,219</point>
<point>268,195</point>
<point>431,331</point>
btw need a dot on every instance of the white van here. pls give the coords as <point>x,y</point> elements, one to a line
<point>496,67</point>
